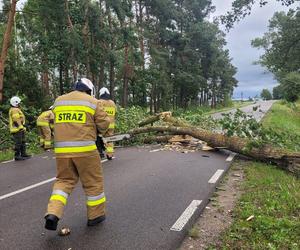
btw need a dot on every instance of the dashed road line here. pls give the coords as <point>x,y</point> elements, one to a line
<point>231,157</point>
<point>185,216</point>
<point>26,188</point>
<point>216,176</point>
<point>2,197</point>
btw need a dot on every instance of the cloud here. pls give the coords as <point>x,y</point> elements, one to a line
<point>252,78</point>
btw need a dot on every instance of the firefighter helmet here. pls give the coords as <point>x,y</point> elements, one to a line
<point>103,91</point>
<point>15,101</point>
<point>85,84</point>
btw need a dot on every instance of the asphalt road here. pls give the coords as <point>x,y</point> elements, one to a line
<point>262,109</point>
<point>147,192</point>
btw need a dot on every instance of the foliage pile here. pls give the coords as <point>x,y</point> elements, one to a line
<point>245,126</point>
<point>196,117</point>
<point>129,118</point>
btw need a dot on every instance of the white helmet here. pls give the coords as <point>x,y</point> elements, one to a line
<point>103,90</point>
<point>85,84</point>
<point>15,101</point>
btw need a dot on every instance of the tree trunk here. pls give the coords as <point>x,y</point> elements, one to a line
<point>140,18</point>
<point>71,29</point>
<point>125,77</point>
<point>111,60</point>
<point>45,75</point>
<point>166,117</point>
<point>267,153</point>
<point>85,33</point>
<point>112,79</point>
<point>6,43</point>
<point>158,139</point>
<point>151,99</point>
<point>61,85</point>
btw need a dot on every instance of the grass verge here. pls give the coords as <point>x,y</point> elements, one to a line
<point>272,197</point>
<point>8,154</point>
<point>284,117</point>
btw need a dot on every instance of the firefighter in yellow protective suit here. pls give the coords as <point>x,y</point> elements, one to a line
<point>17,129</point>
<point>79,117</point>
<point>45,124</point>
<point>110,108</point>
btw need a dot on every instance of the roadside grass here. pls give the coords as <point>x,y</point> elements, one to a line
<point>273,197</point>
<point>270,194</point>
<point>32,147</point>
<point>8,154</point>
<point>284,117</point>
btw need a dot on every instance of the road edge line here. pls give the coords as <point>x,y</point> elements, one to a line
<point>186,216</point>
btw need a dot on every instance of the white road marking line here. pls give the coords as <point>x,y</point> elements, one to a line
<point>26,188</point>
<point>216,176</point>
<point>7,161</point>
<point>155,150</point>
<point>185,216</point>
<point>231,157</point>
<point>32,186</point>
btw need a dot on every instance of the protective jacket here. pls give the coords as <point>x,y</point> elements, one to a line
<point>16,120</point>
<point>110,108</point>
<point>45,123</point>
<point>46,119</point>
<point>78,119</point>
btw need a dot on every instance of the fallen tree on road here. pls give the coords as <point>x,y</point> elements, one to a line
<point>264,152</point>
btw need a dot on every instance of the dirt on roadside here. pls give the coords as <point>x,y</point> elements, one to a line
<point>217,216</point>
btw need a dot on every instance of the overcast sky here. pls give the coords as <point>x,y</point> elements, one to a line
<point>252,78</point>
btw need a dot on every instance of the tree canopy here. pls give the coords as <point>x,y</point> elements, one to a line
<point>266,94</point>
<point>156,54</point>
<point>282,51</point>
<point>242,8</point>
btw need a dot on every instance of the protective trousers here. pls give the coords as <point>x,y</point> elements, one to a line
<point>110,145</point>
<point>69,170</point>
<point>20,143</point>
<point>45,136</point>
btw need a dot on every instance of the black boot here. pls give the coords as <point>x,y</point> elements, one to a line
<point>18,156</point>
<point>96,221</point>
<point>51,222</point>
<point>23,153</point>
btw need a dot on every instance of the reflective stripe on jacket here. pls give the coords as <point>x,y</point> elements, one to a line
<point>45,119</point>
<point>110,108</point>
<point>16,120</point>
<point>78,117</point>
